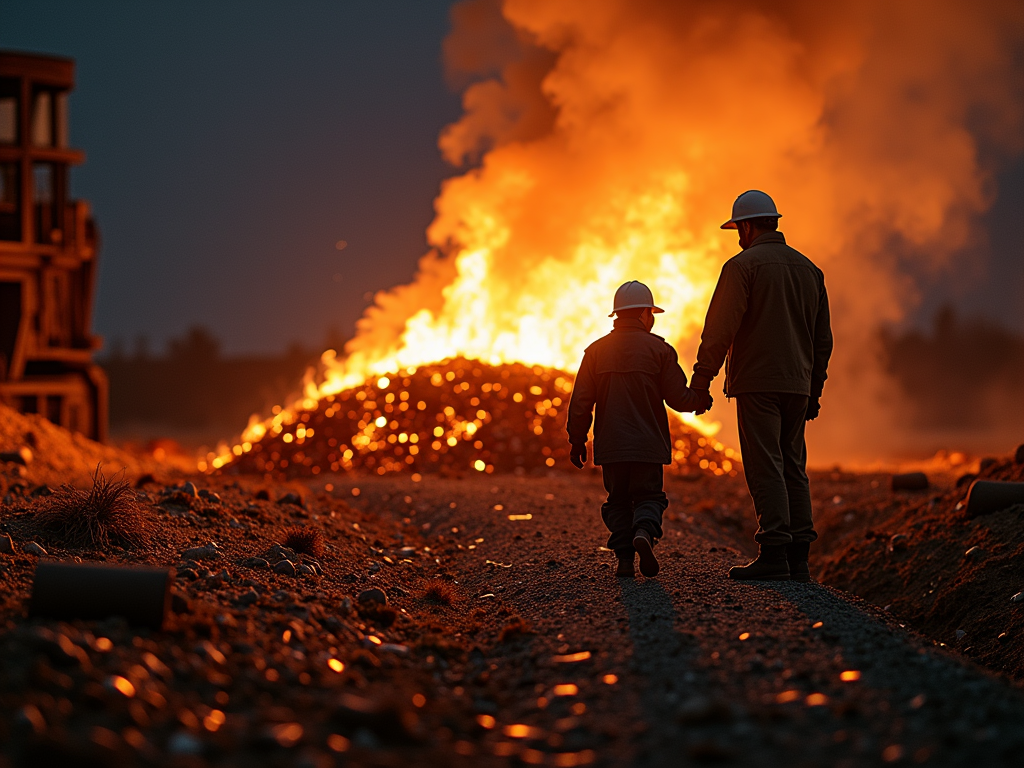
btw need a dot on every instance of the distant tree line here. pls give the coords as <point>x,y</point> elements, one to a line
<point>193,386</point>
<point>960,374</point>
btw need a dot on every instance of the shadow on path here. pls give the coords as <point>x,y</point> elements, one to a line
<point>675,691</point>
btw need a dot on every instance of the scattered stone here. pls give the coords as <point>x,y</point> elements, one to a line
<point>248,598</point>
<point>373,595</point>
<point>41,491</point>
<point>973,553</point>
<point>206,552</point>
<point>396,648</point>
<point>910,481</point>
<point>30,718</point>
<point>967,479</point>
<point>263,495</point>
<point>146,479</point>
<point>317,568</point>
<point>374,567</point>
<point>6,544</point>
<point>305,570</point>
<point>190,488</point>
<point>1018,598</point>
<point>292,498</point>
<point>32,548</point>
<point>407,551</point>
<point>180,603</point>
<point>1003,637</point>
<point>986,463</point>
<point>286,567</point>
<point>256,563</point>
<point>210,496</point>
<point>960,635</point>
<point>1019,455</point>
<point>22,456</point>
<point>898,542</point>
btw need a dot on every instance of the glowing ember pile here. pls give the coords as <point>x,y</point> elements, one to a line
<point>456,416</point>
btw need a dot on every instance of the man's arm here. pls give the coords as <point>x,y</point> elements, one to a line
<point>581,403</point>
<point>725,313</point>
<point>822,346</point>
<point>674,391</point>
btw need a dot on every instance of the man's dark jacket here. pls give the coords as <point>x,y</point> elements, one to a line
<point>629,375</point>
<point>769,314</point>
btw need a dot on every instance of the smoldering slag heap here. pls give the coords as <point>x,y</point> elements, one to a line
<point>453,417</point>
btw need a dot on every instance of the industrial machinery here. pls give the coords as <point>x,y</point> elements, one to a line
<point>48,249</point>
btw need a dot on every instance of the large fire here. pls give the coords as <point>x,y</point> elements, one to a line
<point>612,137</point>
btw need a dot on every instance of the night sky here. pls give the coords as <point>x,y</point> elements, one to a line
<point>231,145</point>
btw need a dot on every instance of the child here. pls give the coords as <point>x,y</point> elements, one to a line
<point>629,375</point>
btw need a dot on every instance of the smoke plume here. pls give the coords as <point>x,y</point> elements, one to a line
<point>607,139</point>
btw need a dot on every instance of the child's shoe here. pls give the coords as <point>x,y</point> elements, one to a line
<point>626,569</point>
<point>644,547</point>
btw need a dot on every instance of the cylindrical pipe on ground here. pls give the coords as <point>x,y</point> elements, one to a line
<point>69,591</point>
<point>910,481</point>
<point>986,496</point>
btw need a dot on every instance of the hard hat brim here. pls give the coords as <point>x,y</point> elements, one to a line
<point>731,223</point>
<point>654,309</point>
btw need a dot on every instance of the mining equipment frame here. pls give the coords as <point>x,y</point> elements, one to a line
<point>48,251</point>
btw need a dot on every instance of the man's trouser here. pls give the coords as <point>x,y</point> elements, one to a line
<point>771,426</point>
<point>635,500</point>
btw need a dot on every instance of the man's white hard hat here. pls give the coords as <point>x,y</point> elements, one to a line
<point>634,295</point>
<point>752,204</point>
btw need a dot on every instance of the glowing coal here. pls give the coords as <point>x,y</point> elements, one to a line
<point>457,416</point>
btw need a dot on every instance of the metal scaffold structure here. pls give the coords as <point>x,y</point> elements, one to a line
<point>48,253</point>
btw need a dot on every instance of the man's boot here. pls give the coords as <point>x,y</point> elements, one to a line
<point>796,554</point>
<point>625,568</point>
<point>644,546</point>
<point>771,565</point>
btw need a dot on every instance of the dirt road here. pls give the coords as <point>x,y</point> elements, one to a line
<point>506,640</point>
<point>702,669</point>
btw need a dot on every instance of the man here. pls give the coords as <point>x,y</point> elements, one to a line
<point>769,321</point>
<point>629,375</point>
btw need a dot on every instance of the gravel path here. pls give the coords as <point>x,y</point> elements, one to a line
<point>705,670</point>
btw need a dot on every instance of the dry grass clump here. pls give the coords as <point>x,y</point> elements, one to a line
<point>440,592</point>
<point>304,540</point>
<point>106,514</point>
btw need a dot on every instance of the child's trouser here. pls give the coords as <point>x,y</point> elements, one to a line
<point>636,500</point>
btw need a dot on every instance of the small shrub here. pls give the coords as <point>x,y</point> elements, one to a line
<point>304,540</point>
<point>106,514</point>
<point>439,592</point>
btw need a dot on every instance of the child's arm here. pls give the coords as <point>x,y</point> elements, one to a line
<point>677,395</point>
<point>581,404</point>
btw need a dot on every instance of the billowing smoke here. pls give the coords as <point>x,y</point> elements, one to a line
<point>606,140</point>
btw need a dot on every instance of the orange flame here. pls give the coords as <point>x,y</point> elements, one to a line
<point>613,136</point>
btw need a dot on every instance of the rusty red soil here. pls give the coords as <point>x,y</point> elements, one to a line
<point>530,653</point>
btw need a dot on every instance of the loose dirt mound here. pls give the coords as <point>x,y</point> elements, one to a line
<point>451,418</point>
<point>950,576</point>
<point>56,456</point>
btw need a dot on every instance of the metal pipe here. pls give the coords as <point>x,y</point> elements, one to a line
<point>985,496</point>
<point>69,591</point>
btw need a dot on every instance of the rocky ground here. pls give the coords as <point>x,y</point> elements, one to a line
<point>476,621</point>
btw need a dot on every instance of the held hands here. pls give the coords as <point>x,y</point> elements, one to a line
<point>813,408</point>
<point>578,455</point>
<point>705,402</point>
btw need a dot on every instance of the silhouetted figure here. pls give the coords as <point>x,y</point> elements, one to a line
<point>769,317</point>
<point>629,375</point>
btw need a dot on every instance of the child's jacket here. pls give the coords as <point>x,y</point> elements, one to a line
<point>629,375</point>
